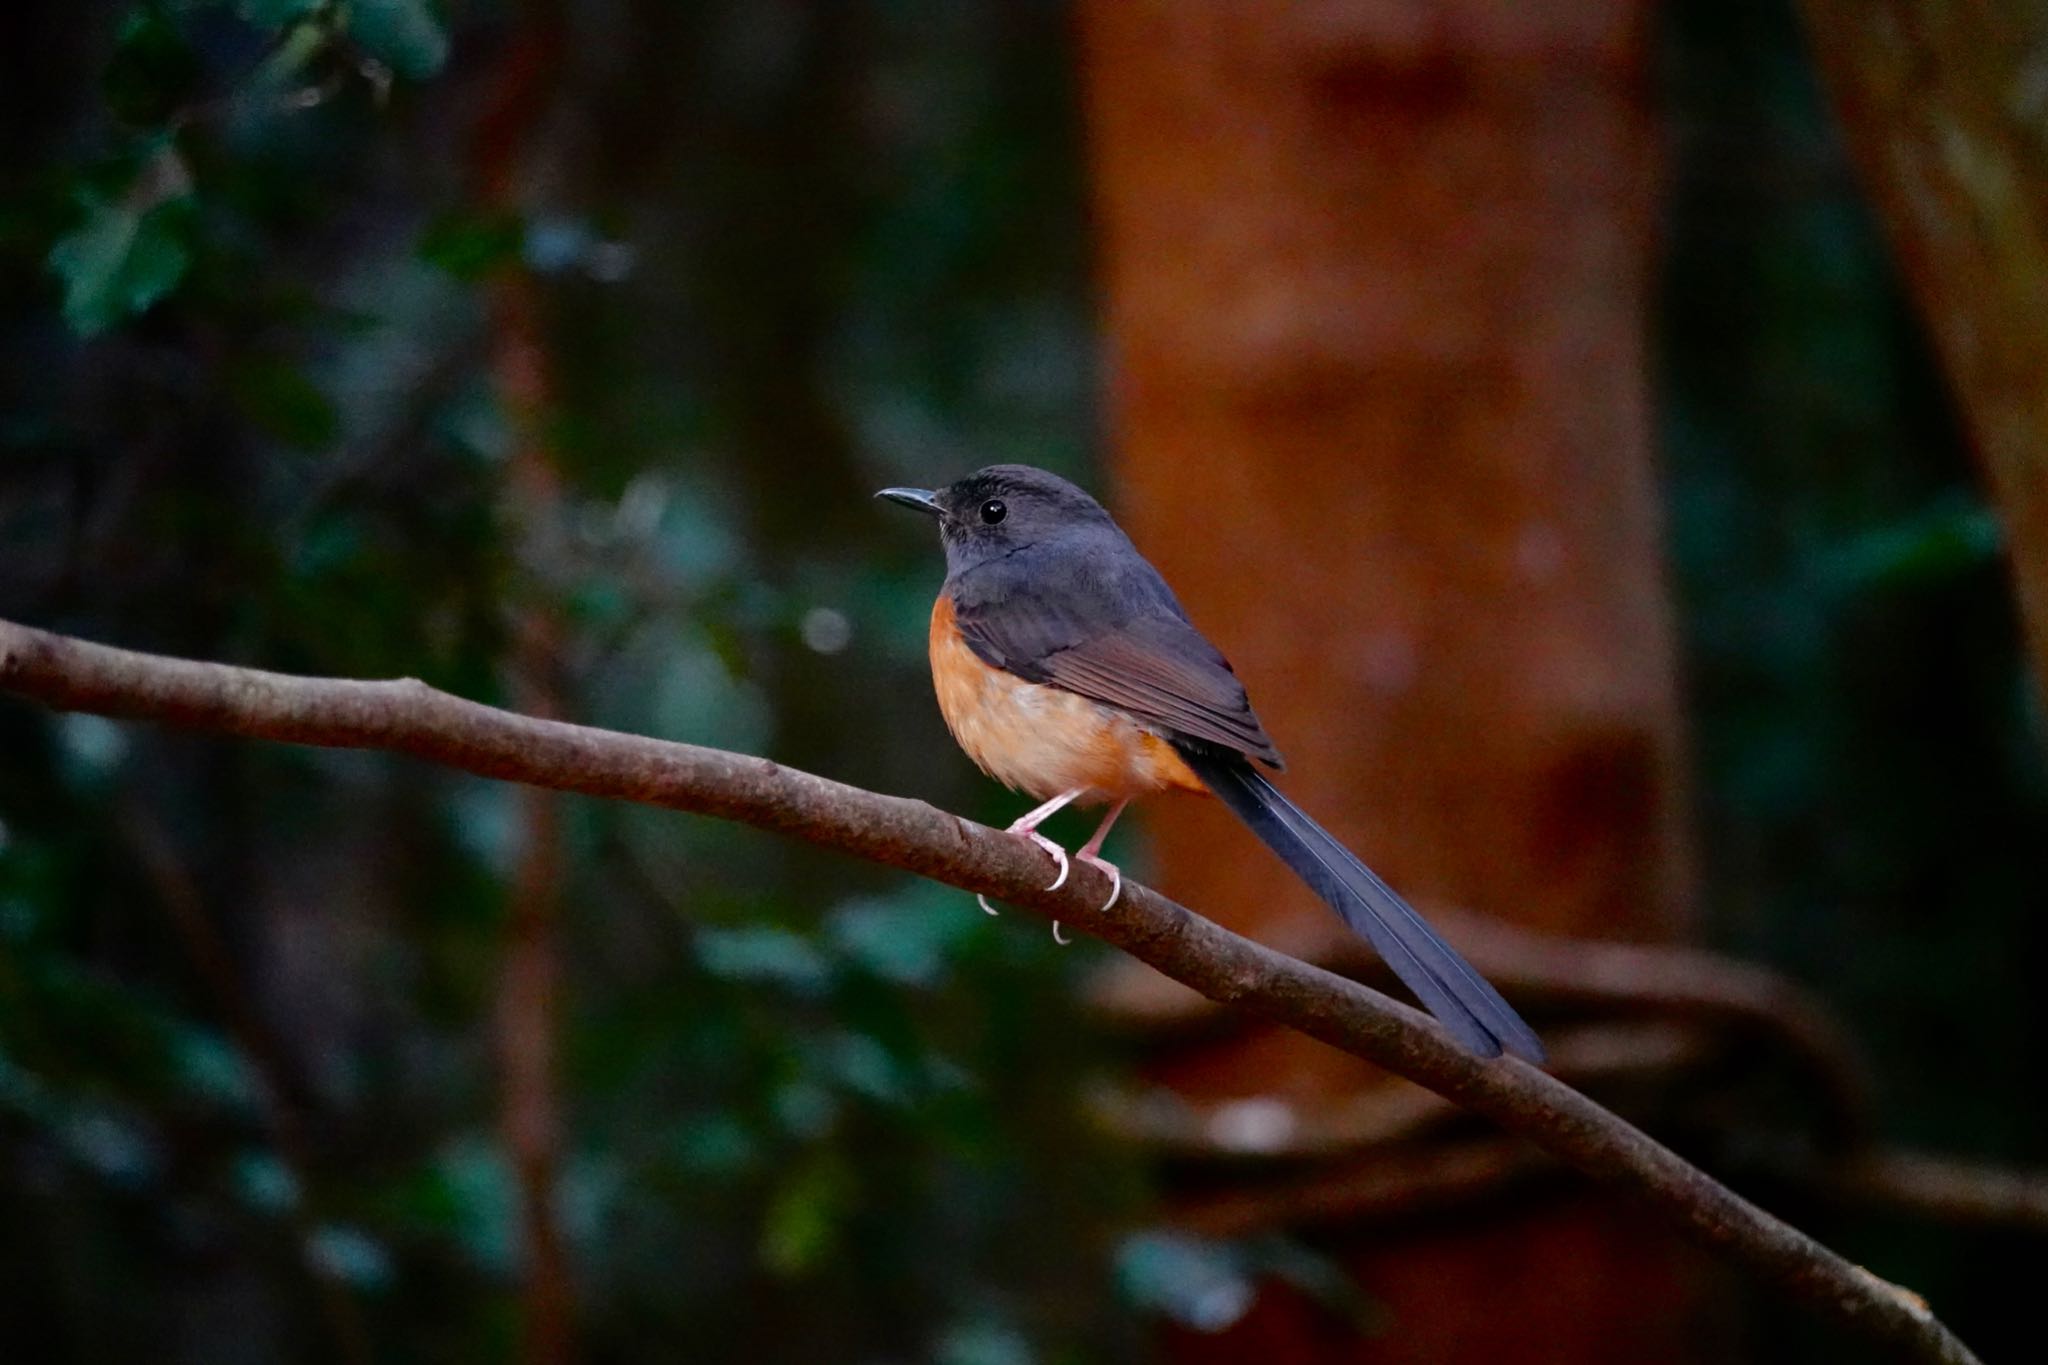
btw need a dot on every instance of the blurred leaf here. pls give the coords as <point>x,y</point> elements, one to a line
<point>469,1194</point>
<point>774,955</point>
<point>717,1144</point>
<point>982,1343</point>
<point>1317,1276</point>
<point>406,35</point>
<point>907,940</point>
<point>210,1067</point>
<point>153,71</point>
<point>265,1183</point>
<point>281,401</point>
<point>471,245</point>
<point>1951,537</point>
<point>124,1152</point>
<point>278,13</point>
<point>119,261</point>
<point>288,61</point>
<point>483,817</point>
<point>92,747</point>
<point>351,1255</point>
<point>20,919</point>
<point>802,1222</point>
<point>805,1108</point>
<point>1197,1283</point>
<point>861,1064</point>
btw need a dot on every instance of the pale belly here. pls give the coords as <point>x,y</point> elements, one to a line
<point>1043,740</point>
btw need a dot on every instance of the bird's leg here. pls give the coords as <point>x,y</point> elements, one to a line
<point>1091,854</point>
<point>1027,825</point>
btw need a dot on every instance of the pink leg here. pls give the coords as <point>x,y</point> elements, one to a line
<point>1091,852</point>
<point>1027,825</point>
<point>1038,815</point>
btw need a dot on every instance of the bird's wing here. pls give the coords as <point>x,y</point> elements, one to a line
<point>1126,644</point>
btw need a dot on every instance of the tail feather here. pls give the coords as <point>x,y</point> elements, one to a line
<point>1471,1009</point>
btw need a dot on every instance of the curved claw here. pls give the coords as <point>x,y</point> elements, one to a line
<point>1107,869</point>
<point>1027,827</point>
<point>1063,942</point>
<point>1059,855</point>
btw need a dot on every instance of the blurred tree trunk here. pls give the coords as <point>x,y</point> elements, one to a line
<point>1946,110</point>
<point>1376,278</point>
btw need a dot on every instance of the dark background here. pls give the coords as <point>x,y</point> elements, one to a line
<point>552,359</point>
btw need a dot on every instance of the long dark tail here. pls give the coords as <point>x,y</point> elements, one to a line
<point>1457,995</point>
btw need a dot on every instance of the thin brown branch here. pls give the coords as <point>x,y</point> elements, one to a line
<point>529,979</point>
<point>529,984</point>
<point>1944,1189</point>
<point>407,716</point>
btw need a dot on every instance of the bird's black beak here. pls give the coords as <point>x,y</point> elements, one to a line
<point>923,499</point>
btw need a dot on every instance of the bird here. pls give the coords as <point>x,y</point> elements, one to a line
<point>1066,668</point>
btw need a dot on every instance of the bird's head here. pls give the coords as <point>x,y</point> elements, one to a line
<point>1000,510</point>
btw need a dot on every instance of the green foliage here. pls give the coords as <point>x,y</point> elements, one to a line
<point>280,401</point>
<point>406,35</point>
<point>782,1078</point>
<point>154,71</point>
<point>805,1218</point>
<point>139,229</point>
<point>1210,1285</point>
<point>470,245</point>
<point>121,259</point>
<point>277,13</point>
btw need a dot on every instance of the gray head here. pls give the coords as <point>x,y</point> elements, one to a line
<point>1002,509</point>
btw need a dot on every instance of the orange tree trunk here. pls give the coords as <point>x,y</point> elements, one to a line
<point>1375,277</point>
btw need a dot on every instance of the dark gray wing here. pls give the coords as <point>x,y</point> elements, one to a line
<point>1098,620</point>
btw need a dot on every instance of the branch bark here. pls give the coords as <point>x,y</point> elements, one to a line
<point>407,716</point>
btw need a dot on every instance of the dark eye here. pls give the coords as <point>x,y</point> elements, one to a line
<point>993,511</point>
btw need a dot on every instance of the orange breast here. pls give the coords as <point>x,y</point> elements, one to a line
<point>1043,740</point>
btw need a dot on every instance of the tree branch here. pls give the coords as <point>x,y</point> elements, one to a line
<point>407,716</point>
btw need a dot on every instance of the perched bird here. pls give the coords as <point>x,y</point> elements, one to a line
<point>1067,670</point>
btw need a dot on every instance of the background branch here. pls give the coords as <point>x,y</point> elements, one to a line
<point>407,716</point>
<point>529,1019</point>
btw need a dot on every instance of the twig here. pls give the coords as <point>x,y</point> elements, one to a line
<point>1943,1189</point>
<point>407,716</point>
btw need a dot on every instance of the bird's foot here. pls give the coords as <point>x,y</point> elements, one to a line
<point>1109,870</point>
<point>1116,888</point>
<point>1059,856</point>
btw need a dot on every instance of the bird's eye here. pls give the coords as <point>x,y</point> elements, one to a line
<point>993,511</point>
